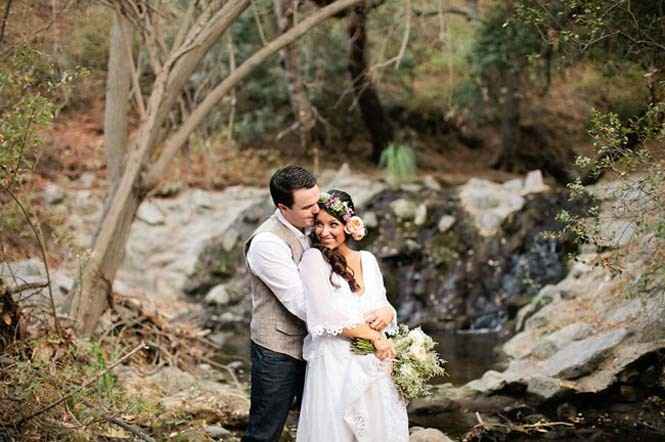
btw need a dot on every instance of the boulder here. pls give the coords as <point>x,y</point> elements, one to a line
<point>533,183</point>
<point>428,435</point>
<point>181,393</point>
<point>150,214</point>
<point>582,357</point>
<point>445,223</point>
<point>489,204</point>
<point>53,194</point>
<point>370,220</point>
<point>404,209</point>
<point>431,183</point>
<point>568,334</point>
<point>420,216</point>
<point>218,296</point>
<point>544,387</point>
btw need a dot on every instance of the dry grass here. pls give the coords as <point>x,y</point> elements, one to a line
<point>44,367</point>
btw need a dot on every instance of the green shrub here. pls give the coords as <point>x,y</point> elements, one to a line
<point>399,163</point>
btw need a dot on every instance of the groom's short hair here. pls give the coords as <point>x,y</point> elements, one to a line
<point>286,181</point>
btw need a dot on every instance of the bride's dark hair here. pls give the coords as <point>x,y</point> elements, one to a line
<point>334,258</point>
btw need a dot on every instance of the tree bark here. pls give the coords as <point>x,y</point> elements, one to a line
<point>116,110</point>
<point>510,120</point>
<point>380,129</point>
<point>87,309</point>
<point>137,177</point>
<point>290,62</point>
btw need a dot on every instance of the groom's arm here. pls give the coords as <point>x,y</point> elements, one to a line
<point>270,259</point>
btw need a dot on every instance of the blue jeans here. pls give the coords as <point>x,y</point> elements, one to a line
<point>277,381</point>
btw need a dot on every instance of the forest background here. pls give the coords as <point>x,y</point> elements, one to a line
<point>451,88</point>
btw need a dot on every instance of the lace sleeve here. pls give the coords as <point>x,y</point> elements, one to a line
<point>392,327</point>
<point>328,311</point>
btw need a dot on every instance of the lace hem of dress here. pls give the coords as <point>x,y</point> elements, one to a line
<point>334,329</point>
<point>356,414</point>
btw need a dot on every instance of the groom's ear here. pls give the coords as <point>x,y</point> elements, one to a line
<point>281,206</point>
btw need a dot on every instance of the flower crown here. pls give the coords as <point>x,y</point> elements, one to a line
<point>353,224</point>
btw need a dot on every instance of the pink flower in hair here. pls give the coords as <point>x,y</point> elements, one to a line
<point>355,227</point>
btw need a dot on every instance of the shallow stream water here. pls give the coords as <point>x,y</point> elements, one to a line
<point>468,355</point>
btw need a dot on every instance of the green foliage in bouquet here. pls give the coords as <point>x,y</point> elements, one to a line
<point>415,364</point>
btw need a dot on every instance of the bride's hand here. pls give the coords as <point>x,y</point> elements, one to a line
<point>384,348</point>
<point>379,319</point>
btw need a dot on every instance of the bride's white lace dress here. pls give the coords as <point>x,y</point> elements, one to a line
<point>347,397</point>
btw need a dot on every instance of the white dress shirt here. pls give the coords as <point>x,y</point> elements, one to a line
<point>270,259</point>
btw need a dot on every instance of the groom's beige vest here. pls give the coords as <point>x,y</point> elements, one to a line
<point>272,325</point>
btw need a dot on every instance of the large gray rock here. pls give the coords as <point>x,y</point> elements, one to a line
<point>150,214</point>
<point>582,357</point>
<point>429,435</point>
<point>370,219</point>
<point>32,271</point>
<point>544,387</point>
<point>218,295</point>
<point>445,223</point>
<point>568,334</point>
<point>420,216</point>
<point>533,183</point>
<point>616,233</point>
<point>490,381</point>
<point>181,393</point>
<point>361,187</point>
<point>404,209</point>
<point>163,250</point>
<point>489,204</point>
<point>431,183</point>
<point>545,296</point>
<point>53,194</point>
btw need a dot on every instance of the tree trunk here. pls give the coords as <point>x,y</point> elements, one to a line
<point>380,129</point>
<point>140,174</point>
<point>87,309</point>
<point>116,110</point>
<point>290,61</point>
<point>510,121</point>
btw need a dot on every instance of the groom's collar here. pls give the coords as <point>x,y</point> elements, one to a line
<point>299,233</point>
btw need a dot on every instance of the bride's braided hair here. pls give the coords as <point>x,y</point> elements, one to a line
<point>334,258</point>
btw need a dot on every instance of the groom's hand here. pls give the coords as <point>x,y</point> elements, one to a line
<point>379,319</point>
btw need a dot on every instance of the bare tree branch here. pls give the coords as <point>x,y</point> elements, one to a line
<point>26,286</point>
<point>470,16</point>
<point>407,31</point>
<point>119,422</point>
<point>176,141</point>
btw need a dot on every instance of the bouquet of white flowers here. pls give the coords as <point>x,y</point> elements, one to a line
<point>416,361</point>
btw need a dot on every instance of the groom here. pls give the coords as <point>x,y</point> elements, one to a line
<point>277,328</point>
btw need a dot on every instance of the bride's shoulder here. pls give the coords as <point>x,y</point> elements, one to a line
<point>312,254</point>
<point>370,256</point>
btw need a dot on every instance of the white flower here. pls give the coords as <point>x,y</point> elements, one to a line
<point>419,338</point>
<point>419,353</point>
<point>355,227</point>
<point>408,372</point>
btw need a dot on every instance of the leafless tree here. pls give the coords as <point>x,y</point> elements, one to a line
<point>150,150</point>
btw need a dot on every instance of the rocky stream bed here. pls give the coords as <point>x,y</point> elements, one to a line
<point>540,346</point>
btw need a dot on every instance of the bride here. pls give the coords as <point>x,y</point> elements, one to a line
<point>347,397</point>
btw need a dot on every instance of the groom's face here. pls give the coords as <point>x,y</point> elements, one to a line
<point>304,209</point>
